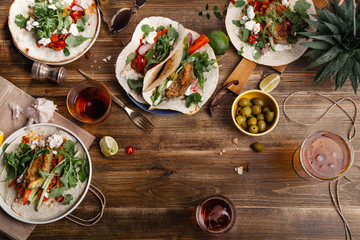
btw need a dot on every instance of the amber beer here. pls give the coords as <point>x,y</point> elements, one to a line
<point>326,155</point>
<point>89,101</point>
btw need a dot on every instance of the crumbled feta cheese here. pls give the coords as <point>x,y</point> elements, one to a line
<point>150,37</point>
<point>29,24</point>
<point>250,25</point>
<point>46,194</point>
<point>285,3</point>
<point>54,141</point>
<point>35,24</point>
<point>245,18</point>
<point>256,28</point>
<point>250,12</point>
<point>44,41</point>
<point>129,74</point>
<point>41,143</point>
<point>73,30</point>
<point>34,143</point>
<point>52,6</point>
<point>239,170</point>
<point>282,47</point>
<point>64,31</point>
<point>144,41</point>
<point>168,84</point>
<point>31,3</point>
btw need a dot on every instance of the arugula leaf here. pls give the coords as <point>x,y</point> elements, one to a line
<point>172,33</point>
<point>66,51</point>
<point>150,54</point>
<point>130,57</point>
<point>69,146</point>
<point>5,146</point>
<point>193,98</point>
<point>84,170</point>
<point>81,23</point>
<point>56,192</point>
<point>136,84</point>
<point>68,198</point>
<point>67,22</point>
<point>74,41</point>
<point>146,29</point>
<point>258,53</point>
<point>241,51</point>
<point>20,20</point>
<point>239,3</point>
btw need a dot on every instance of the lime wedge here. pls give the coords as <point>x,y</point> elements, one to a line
<point>108,146</point>
<point>270,82</point>
<point>1,137</point>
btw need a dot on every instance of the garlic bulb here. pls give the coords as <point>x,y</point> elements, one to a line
<point>41,111</point>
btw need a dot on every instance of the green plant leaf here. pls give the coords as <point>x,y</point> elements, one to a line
<point>357,69</point>
<point>325,72</point>
<point>340,61</point>
<point>319,26</point>
<point>310,34</point>
<point>326,57</point>
<point>314,53</point>
<point>344,73</point>
<point>74,41</point>
<point>334,29</point>
<point>357,55</point>
<point>317,45</point>
<point>354,80</point>
<point>335,20</point>
<point>325,38</point>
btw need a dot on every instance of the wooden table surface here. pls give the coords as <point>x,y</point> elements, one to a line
<point>153,193</point>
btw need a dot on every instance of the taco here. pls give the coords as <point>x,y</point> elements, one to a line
<point>266,31</point>
<point>154,41</point>
<point>53,31</point>
<point>187,80</point>
<point>43,173</point>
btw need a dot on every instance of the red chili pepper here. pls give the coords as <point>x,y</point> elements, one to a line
<point>60,198</point>
<point>130,150</point>
<point>252,39</point>
<point>12,182</point>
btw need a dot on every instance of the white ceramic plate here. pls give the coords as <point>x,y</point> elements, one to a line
<point>8,209</point>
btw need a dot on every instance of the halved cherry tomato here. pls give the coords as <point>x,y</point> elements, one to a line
<point>130,150</point>
<point>233,1</point>
<point>252,39</point>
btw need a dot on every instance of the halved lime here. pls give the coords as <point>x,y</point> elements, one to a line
<point>270,82</point>
<point>1,137</point>
<point>108,146</point>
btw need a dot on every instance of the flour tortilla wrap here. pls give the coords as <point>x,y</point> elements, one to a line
<point>179,104</point>
<point>138,34</point>
<point>271,58</point>
<point>50,209</point>
<point>26,41</point>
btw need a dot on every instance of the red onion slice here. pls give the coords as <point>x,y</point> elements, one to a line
<point>194,85</point>
<point>144,48</point>
<point>190,38</point>
<point>77,8</point>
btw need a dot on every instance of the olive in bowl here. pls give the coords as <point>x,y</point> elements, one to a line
<point>255,113</point>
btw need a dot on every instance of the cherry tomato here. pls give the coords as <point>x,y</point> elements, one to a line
<point>252,39</point>
<point>233,1</point>
<point>130,150</point>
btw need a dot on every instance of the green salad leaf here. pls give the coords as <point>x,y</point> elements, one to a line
<point>146,29</point>
<point>68,198</point>
<point>136,84</point>
<point>193,98</point>
<point>130,57</point>
<point>20,20</point>
<point>74,41</point>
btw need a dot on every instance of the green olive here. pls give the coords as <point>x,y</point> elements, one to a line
<point>260,116</point>
<point>258,101</point>
<point>252,121</point>
<point>244,125</point>
<point>244,102</point>
<point>256,109</point>
<point>240,119</point>
<point>257,147</point>
<point>261,125</point>
<point>265,109</point>
<point>246,111</point>
<point>269,116</point>
<point>253,129</point>
<point>238,111</point>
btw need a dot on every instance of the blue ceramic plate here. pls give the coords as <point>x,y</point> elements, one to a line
<point>145,107</point>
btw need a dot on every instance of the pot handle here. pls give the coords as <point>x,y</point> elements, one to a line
<point>92,221</point>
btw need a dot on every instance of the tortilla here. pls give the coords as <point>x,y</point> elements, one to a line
<point>49,209</point>
<point>26,41</point>
<point>271,58</point>
<point>151,75</point>
<point>179,104</point>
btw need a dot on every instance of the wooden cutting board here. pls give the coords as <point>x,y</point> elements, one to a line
<point>244,69</point>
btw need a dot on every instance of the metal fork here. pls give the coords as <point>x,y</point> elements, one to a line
<point>137,118</point>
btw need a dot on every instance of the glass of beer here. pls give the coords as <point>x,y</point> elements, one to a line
<point>325,156</point>
<point>89,101</point>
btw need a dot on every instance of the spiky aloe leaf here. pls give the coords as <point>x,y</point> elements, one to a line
<point>344,73</point>
<point>326,71</point>
<point>357,69</point>
<point>317,45</point>
<point>334,29</point>
<point>357,55</point>
<point>325,38</point>
<point>354,80</point>
<point>340,61</point>
<point>341,10</point>
<point>319,26</point>
<point>310,34</point>
<point>312,54</point>
<point>336,20</point>
<point>326,57</point>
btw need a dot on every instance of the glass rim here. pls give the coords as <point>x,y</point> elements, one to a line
<point>326,177</point>
<point>106,90</point>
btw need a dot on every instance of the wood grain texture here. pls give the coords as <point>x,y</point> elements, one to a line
<point>153,193</point>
